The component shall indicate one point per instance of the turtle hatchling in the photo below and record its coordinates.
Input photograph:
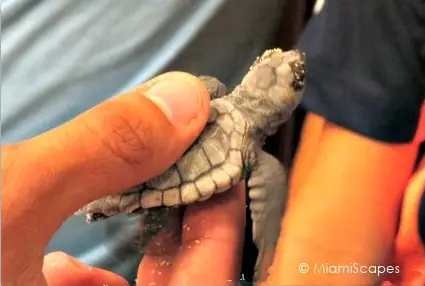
(228, 151)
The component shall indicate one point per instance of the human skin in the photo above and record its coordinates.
(125, 140)
(352, 187)
(119, 143)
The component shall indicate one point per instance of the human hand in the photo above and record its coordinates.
(205, 248)
(117, 144)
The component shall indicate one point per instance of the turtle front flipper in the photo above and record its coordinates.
(216, 88)
(268, 191)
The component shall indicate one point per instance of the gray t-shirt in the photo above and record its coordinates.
(60, 58)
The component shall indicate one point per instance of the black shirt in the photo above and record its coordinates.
(365, 67)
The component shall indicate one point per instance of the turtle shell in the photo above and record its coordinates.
(212, 165)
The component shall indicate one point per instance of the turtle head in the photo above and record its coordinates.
(272, 89)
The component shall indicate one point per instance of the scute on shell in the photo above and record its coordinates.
(212, 165)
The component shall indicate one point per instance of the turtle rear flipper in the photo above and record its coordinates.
(267, 188)
(154, 221)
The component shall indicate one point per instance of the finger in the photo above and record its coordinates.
(156, 265)
(208, 226)
(61, 269)
(212, 241)
(116, 144)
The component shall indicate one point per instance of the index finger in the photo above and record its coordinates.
(212, 240)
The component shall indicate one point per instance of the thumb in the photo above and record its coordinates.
(118, 143)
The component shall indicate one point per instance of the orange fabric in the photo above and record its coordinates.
(348, 181)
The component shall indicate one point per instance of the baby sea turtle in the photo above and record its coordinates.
(228, 151)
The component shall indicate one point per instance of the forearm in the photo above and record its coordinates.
(311, 135)
(347, 209)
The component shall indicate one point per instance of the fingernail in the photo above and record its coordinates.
(179, 97)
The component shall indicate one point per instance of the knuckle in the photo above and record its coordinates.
(130, 140)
